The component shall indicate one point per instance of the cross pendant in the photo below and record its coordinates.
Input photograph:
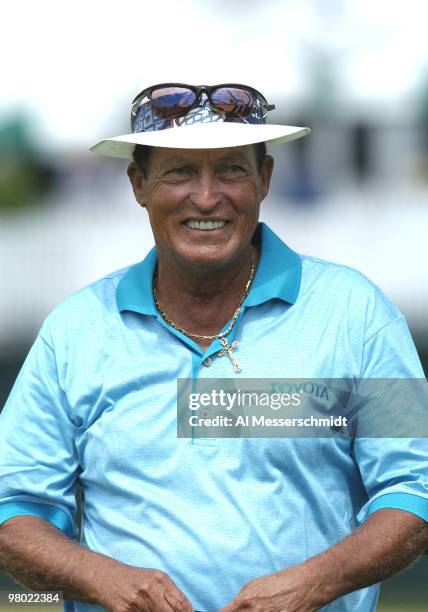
(228, 351)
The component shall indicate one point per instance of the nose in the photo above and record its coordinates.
(206, 193)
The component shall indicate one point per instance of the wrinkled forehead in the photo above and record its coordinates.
(243, 154)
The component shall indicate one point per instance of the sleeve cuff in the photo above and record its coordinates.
(57, 517)
(401, 501)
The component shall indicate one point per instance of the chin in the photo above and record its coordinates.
(207, 257)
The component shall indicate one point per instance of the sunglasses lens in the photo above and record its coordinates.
(233, 100)
(172, 102)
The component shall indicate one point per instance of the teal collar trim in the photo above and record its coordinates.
(279, 271)
(278, 275)
(134, 290)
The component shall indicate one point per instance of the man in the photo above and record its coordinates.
(172, 523)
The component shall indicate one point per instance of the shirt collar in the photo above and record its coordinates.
(279, 270)
(278, 276)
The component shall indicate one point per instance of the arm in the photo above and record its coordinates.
(38, 555)
(386, 543)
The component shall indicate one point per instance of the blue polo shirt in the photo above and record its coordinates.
(96, 401)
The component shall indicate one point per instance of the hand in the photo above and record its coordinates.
(285, 591)
(124, 588)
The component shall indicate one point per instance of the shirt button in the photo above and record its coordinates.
(207, 362)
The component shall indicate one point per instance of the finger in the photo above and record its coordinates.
(177, 601)
(237, 604)
(176, 598)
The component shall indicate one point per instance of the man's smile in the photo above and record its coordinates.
(206, 224)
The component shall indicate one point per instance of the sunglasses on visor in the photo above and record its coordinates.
(175, 100)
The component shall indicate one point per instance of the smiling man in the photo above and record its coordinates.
(204, 207)
(175, 523)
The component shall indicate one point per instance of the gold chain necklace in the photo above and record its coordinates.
(227, 347)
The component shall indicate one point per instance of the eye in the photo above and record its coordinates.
(180, 171)
(232, 169)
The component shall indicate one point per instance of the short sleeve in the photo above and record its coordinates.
(394, 470)
(38, 460)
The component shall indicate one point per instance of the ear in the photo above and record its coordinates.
(137, 180)
(266, 174)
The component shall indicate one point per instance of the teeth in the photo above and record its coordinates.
(205, 225)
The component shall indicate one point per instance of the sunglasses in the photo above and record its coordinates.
(174, 100)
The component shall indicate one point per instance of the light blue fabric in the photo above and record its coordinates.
(96, 400)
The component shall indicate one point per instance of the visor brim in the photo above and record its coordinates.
(216, 135)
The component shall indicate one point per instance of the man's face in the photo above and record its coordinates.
(203, 204)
